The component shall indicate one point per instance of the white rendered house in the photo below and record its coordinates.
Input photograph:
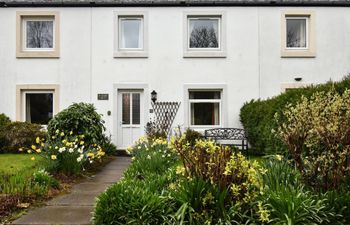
(212, 56)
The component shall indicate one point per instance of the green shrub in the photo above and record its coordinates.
(128, 203)
(316, 131)
(17, 135)
(80, 118)
(257, 116)
(4, 120)
(191, 136)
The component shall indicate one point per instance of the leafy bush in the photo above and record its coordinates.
(317, 134)
(128, 203)
(257, 116)
(17, 135)
(191, 136)
(220, 166)
(4, 120)
(81, 119)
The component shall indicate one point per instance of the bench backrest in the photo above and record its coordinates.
(226, 134)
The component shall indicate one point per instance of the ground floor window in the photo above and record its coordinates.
(38, 106)
(205, 107)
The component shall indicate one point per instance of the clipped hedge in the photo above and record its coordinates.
(257, 116)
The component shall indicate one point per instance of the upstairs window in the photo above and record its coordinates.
(131, 35)
(298, 34)
(37, 34)
(205, 108)
(204, 35)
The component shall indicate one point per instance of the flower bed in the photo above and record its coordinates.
(185, 182)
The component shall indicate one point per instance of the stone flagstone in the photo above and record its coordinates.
(76, 207)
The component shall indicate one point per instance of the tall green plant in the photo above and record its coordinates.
(80, 118)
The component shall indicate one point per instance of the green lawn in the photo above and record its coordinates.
(12, 163)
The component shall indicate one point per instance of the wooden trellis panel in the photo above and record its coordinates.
(165, 113)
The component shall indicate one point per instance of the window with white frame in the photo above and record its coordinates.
(37, 34)
(131, 35)
(38, 106)
(297, 32)
(205, 108)
(204, 33)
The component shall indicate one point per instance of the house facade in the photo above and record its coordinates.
(211, 56)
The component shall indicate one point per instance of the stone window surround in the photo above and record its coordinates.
(55, 53)
(310, 52)
(20, 89)
(130, 53)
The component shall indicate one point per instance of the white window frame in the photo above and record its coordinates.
(306, 18)
(120, 19)
(203, 18)
(219, 52)
(190, 101)
(120, 52)
(24, 32)
(24, 101)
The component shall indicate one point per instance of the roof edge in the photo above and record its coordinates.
(184, 3)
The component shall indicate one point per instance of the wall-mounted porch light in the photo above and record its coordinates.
(154, 96)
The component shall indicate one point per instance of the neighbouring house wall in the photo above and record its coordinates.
(253, 67)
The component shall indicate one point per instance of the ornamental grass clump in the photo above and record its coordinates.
(317, 133)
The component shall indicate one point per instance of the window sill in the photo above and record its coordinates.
(286, 53)
(204, 54)
(131, 54)
(38, 54)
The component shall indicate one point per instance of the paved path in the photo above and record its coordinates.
(75, 208)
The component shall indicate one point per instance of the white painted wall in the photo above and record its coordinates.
(253, 67)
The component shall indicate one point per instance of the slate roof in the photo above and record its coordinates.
(92, 3)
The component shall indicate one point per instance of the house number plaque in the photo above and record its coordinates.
(102, 96)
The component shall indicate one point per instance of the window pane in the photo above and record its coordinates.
(205, 114)
(296, 33)
(131, 34)
(126, 108)
(203, 33)
(135, 108)
(39, 34)
(205, 95)
(39, 107)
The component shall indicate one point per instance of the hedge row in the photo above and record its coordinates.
(257, 116)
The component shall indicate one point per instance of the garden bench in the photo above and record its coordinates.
(229, 136)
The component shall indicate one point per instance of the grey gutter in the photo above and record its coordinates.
(271, 3)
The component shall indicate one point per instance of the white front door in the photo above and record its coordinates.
(130, 117)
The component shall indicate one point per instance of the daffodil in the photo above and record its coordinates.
(53, 157)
